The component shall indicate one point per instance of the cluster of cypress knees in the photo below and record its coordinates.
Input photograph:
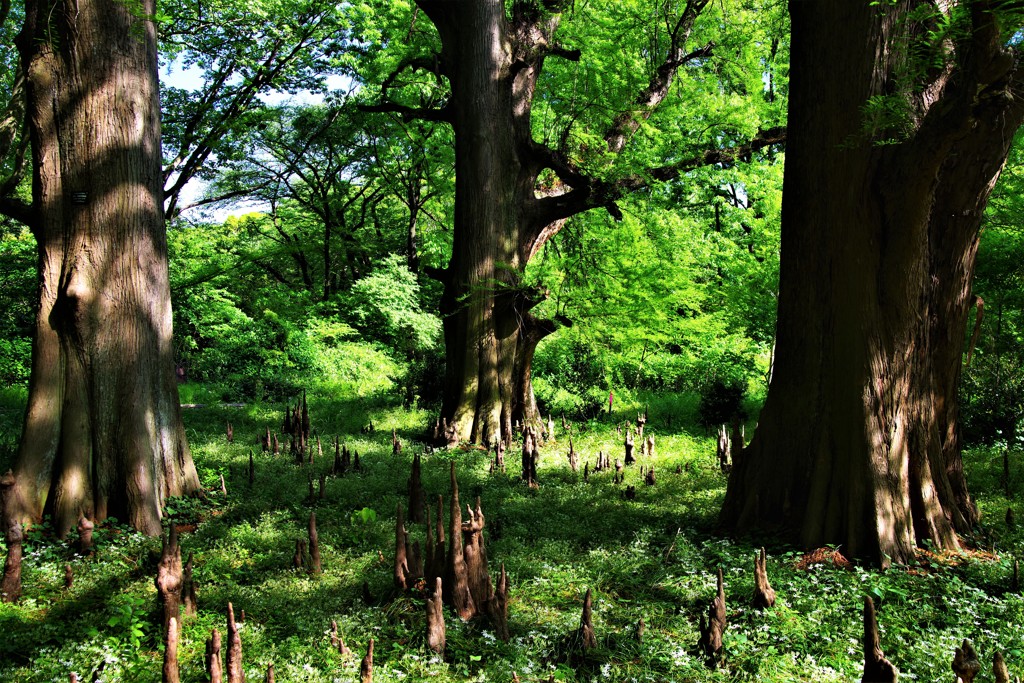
(451, 570)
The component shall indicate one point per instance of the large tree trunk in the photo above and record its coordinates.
(855, 445)
(103, 434)
(483, 304)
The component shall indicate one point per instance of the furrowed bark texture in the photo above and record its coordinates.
(103, 434)
(857, 443)
(492, 54)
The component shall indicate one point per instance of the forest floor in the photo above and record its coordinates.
(652, 558)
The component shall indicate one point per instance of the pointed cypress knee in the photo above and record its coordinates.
(497, 607)
(1015, 579)
(877, 669)
(586, 636)
(171, 653)
(712, 629)
(999, 670)
(401, 561)
(455, 572)
(314, 546)
(214, 668)
(189, 601)
(299, 560)
(234, 662)
(366, 666)
(252, 468)
(438, 563)
(965, 663)
(69, 577)
(435, 619)
(764, 594)
(231, 433)
(169, 578)
(474, 553)
(270, 673)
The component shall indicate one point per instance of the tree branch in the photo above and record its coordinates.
(18, 210)
(627, 122)
(443, 114)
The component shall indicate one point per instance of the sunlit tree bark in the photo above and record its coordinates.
(103, 434)
(890, 161)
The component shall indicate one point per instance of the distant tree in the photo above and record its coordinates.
(513, 192)
(103, 434)
(901, 114)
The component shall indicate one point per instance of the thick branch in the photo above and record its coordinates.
(17, 210)
(588, 193)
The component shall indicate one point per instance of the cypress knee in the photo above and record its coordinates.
(764, 594)
(877, 669)
(435, 619)
(234, 662)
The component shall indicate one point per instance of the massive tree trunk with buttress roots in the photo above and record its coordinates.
(492, 57)
(103, 434)
(889, 164)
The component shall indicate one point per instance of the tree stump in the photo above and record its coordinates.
(277, 446)
(641, 420)
(456, 574)
(629, 493)
(877, 669)
(401, 561)
(85, 529)
(189, 600)
(965, 663)
(69, 577)
(170, 673)
(712, 628)
(231, 433)
(396, 445)
(649, 478)
(417, 495)
(214, 667)
(169, 579)
(628, 443)
(314, 546)
(366, 666)
(235, 672)
(435, 619)
(764, 594)
(574, 463)
(650, 445)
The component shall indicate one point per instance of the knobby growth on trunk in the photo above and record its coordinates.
(889, 166)
(492, 55)
(102, 434)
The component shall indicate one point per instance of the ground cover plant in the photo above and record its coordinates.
(649, 559)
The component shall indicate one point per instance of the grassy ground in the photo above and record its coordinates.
(652, 558)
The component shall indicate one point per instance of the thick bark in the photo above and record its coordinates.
(103, 434)
(856, 445)
(492, 60)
